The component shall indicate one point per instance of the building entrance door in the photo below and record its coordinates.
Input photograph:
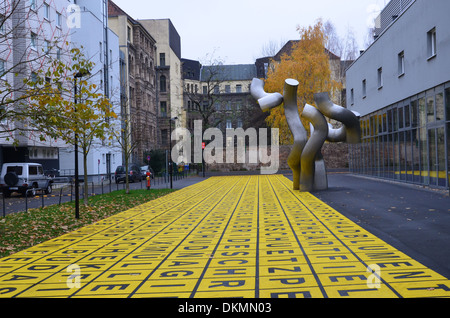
(438, 174)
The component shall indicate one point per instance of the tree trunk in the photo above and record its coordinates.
(127, 184)
(86, 185)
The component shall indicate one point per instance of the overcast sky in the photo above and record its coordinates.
(235, 31)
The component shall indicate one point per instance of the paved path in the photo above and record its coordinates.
(411, 218)
(241, 236)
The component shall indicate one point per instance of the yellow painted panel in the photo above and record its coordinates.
(359, 291)
(237, 236)
(305, 292)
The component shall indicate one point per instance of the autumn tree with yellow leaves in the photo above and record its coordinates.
(308, 63)
(64, 105)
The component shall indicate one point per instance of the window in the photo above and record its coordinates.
(440, 109)
(162, 83)
(205, 90)
(46, 11)
(2, 68)
(129, 34)
(407, 116)
(46, 47)
(380, 77)
(33, 4)
(431, 39)
(163, 109)
(447, 103)
(58, 19)
(162, 59)
(17, 170)
(32, 171)
(238, 104)
(430, 109)
(227, 89)
(2, 24)
(238, 88)
(34, 77)
(364, 88)
(164, 136)
(401, 63)
(352, 96)
(229, 124)
(33, 41)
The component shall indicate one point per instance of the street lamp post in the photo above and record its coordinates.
(170, 150)
(77, 182)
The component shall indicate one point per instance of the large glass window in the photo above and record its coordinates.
(447, 103)
(407, 141)
(402, 156)
(424, 155)
(396, 155)
(389, 120)
(414, 114)
(448, 153)
(441, 171)
(408, 156)
(407, 116)
(395, 119)
(384, 126)
(430, 109)
(440, 111)
(415, 155)
(422, 112)
(432, 155)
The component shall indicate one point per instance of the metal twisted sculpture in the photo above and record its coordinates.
(306, 160)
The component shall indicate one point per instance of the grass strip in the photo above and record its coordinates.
(19, 231)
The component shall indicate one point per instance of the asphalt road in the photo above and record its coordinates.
(414, 219)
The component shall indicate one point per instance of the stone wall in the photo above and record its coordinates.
(335, 155)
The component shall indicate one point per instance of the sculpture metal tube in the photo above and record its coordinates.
(312, 147)
(296, 127)
(345, 116)
(336, 135)
(265, 100)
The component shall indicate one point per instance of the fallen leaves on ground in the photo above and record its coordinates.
(20, 231)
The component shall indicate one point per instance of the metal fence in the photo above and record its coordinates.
(63, 190)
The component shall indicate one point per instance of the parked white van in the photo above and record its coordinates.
(20, 177)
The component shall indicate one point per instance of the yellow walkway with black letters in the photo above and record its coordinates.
(237, 236)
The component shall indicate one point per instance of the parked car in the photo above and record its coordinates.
(21, 177)
(144, 170)
(134, 173)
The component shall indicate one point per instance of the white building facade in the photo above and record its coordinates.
(401, 87)
(101, 46)
(33, 32)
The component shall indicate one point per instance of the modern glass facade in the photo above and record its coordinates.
(408, 141)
